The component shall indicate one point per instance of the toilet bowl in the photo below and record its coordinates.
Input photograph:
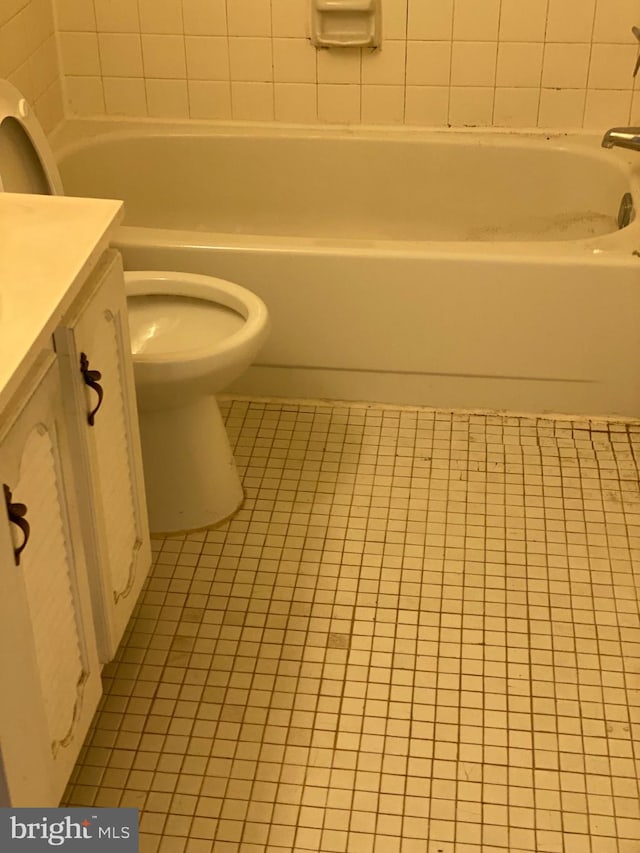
(191, 336)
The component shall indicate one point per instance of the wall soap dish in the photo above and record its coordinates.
(345, 23)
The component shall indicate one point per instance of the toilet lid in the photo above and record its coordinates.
(27, 163)
(163, 324)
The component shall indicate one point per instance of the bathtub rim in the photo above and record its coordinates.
(74, 132)
(77, 133)
(619, 247)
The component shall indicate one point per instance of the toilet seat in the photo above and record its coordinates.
(30, 139)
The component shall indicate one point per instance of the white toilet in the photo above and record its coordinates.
(191, 335)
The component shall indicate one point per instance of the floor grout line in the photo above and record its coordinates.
(482, 568)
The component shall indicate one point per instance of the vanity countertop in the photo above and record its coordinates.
(47, 246)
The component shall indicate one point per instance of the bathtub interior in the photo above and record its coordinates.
(453, 188)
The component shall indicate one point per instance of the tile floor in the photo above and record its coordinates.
(419, 634)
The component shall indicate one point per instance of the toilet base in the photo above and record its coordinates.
(191, 479)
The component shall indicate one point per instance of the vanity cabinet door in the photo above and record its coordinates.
(49, 668)
(95, 355)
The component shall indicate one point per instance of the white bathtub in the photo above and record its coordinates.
(446, 268)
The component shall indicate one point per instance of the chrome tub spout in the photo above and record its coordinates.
(622, 137)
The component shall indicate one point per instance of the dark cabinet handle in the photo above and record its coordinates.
(91, 378)
(17, 514)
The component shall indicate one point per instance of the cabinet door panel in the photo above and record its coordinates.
(99, 335)
(46, 564)
(57, 635)
(112, 462)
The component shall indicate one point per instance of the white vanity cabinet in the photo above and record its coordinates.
(48, 660)
(74, 541)
(94, 352)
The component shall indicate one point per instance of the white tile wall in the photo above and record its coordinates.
(509, 63)
(29, 57)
